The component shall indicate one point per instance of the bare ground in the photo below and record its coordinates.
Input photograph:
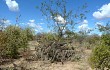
(45, 65)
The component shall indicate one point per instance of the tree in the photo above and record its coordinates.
(104, 29)
(59, 17)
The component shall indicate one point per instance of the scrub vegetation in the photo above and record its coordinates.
(20, 47)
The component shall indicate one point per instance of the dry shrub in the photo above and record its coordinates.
(55, 52)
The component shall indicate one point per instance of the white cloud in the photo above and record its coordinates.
(12, 5)
(60, 19)
(85, 22)
(103, 12)
(32, 21)
(35, 26)
(99, 23)
(83, 27)
(5, 21)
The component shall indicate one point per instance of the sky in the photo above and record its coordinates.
(30, 16)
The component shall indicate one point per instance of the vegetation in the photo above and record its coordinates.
(12, 39)
(61, 45)
(29, 33)
(57, 46)
(55, 52)
(53, 10)
(100, 57)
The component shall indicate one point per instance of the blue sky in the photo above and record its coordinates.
(10, 9)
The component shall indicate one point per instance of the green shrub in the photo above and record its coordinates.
(29, 33)
(106, 39)
(3, 40)
(100, 58)
(16, 38)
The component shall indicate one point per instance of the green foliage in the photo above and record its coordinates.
(13, 38)
(70, 34)
(92, 41)
(3, 40)
(100, 58)
(29, 33)
(16, 38)
(105, 29)
(106, 39)
(46, 37)
(49, 36)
